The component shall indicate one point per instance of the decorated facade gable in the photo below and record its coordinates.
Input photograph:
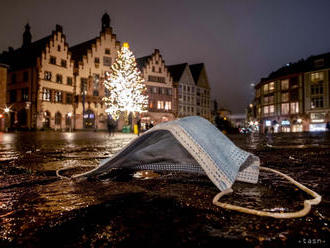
(56, 83)
(203, 100)
(159, 83)
(93, 60)
(186, 90)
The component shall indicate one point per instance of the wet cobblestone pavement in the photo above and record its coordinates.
(37, 209)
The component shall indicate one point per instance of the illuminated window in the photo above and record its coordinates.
(271, 109)
(294, 108)
(271, 87)
(168, 105)
(266, 110)
(48, 75)
(285, 108)
(58, 96)
(317, 76)
(160, 104)
(285, 84)
(46, 94)
(285, 97)
(265, 88)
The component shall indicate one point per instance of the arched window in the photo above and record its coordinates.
(58, 118)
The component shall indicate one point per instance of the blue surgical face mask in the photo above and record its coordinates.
(191, 144)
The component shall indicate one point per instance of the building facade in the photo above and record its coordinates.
(317, 95)
(40, 82)
(3, 93)
(294, 98)
(185, 88)
(93, 59)
(160, 88)
(203, 98)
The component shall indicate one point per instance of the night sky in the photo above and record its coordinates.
(240, 41)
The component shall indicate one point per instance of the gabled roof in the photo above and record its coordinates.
(80, 50)
(176, 71)
(27, 56)
(141, 62)
(196, 70)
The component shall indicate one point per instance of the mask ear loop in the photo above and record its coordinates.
(297, 214)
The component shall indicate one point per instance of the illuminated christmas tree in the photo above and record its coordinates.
(127, 92)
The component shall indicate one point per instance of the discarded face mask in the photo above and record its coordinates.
(193, 144)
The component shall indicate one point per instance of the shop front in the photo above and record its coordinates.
(318, 122)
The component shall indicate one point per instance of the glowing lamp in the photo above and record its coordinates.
(7, 109)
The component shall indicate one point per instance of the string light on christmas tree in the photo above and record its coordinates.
(127, 91)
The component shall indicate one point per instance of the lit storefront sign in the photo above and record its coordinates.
(268, 123)
(320, 127)
(285, 123)
(317, 117)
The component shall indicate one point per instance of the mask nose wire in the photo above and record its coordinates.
(307, 203)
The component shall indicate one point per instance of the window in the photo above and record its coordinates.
(266, 100)
(153, 69)
(164, 91)
(155, 90)
(285, 108)
(59, 78)
(258, 92)
(83, 85)
(317, 102)
(52, 60)
(68, 98)
(95, 93)
(184, 88)
(294, 108)
(317, 76)
(63, 63)
(13, 78)
(285, 97)
(160, 104)
(25, 76)
(271, 87)
(168, 105)
(59, 48)
(96, 60)
(12, 96)
(266, 110)
(169, 92)
(25, 94)
(46, 94)
(69, 80)
(48, 75)
(160, 70)
(106, 61)
(58, 96)
(156, 79)
(285, 84)
(271, 109)
(192, 89)
(107, 51)
(317, 88)
(265, 88)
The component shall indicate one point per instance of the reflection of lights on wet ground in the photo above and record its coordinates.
(69, 136)
(6, 138)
